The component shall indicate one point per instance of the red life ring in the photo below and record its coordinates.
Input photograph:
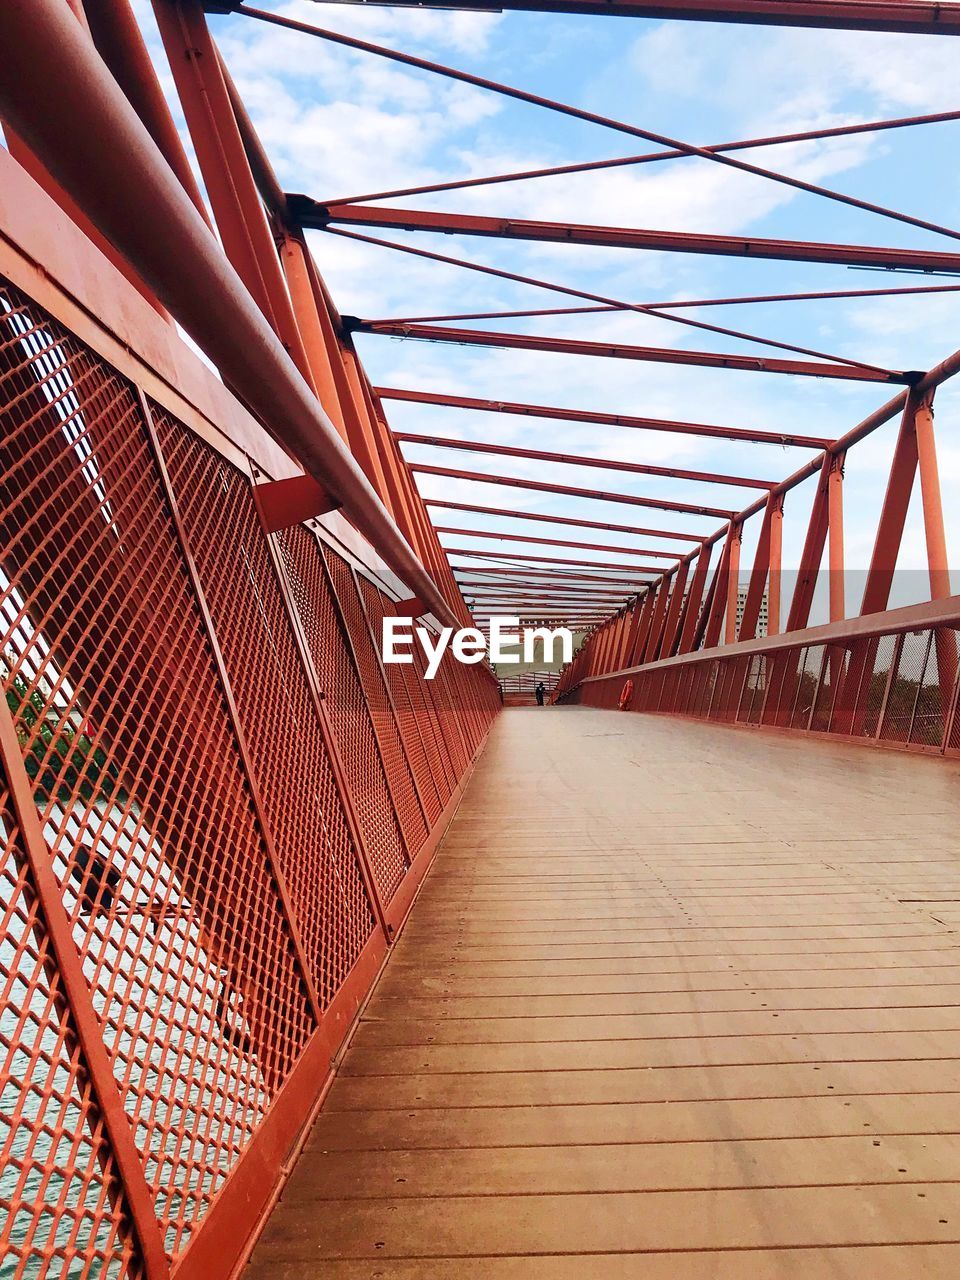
(625, 695)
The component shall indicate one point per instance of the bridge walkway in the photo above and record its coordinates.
(677, 1001)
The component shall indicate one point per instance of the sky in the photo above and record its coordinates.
(341, 123)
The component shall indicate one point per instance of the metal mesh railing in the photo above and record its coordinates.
(897, 685)
(222, 810)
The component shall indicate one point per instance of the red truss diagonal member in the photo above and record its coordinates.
(536, 282)
(590, 117)
(679, 304)
(652, 157)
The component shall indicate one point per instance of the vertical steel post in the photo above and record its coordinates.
(672, 624)
(893, 514)
(656, 621)
(733, 583)
(812, 553)
(758, 575)
(776, 568)
(937, 563)
(719, 592)
(838, 606)
(694, 598)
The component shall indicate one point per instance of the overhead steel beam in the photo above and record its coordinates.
(915, 17)
(77, 126)
(624, 351)
(313, 214)
(640, 308)
(551, 588)
(549, 542)
(559, 560)
(670, 534)
(570, 491)
(581, 460)
(592, 117)
(739, 434)
(467, 576)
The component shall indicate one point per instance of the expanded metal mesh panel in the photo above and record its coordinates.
(875, 658)
(409, 698)
(832, 675)
(464, 705)
(448, 709)
(346, 707)
(900, 687)
(905, 687)
(438, 748)
(62, 1207)
(410, 814)
(803, 686)
(720, 690)
(754, 688)
(287, 752)
(126, 737)
(936, 689)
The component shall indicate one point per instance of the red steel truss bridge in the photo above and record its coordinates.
(312, 966)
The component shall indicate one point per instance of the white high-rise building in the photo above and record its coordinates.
(763, 618)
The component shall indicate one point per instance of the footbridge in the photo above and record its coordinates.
(318, 964)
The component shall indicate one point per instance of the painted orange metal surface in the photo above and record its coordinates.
(217, 801)
(208, 813)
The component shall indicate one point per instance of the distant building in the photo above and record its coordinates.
(762, 620)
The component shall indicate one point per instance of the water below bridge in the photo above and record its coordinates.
(676, 1001)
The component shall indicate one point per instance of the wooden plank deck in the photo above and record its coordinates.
(676, 1002)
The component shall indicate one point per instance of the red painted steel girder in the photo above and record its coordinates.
(604, 419)
(639, 308)
(537, 577)
(625, 351)
(923, 17)
(545, 602)
(573, 606)
(465, 224)
(570, 491)
(549, 542)
(581, 563)
(550, 584)
(548, 590)
(671, 534)
(607, 122)
(580, 460)
(530, 617)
